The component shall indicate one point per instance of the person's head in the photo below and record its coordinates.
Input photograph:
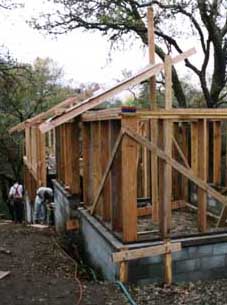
(48, 197)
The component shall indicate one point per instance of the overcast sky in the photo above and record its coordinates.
(83, 55)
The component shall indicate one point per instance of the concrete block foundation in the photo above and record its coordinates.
(201, 258)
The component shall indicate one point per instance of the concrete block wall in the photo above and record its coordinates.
(98, 251)
(213, 205)
(191, 263)
(66, 206)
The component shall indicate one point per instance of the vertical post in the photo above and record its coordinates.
(85, 147)
(165, 204)
(41, 157)
(217, 152)
(202, 173)
(90, 176)
(72, 168)
(58, 150)
(194, 147)
(62, 154)
(123, 272)
(153, 123)
(97, 164)
(129, 181)
(116, 191)
(176, 175)
(105, 156)
(185, 151)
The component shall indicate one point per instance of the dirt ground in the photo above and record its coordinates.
(40, 273)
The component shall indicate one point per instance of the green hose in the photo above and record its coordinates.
(126, 293)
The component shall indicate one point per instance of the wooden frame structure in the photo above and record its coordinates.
(152, 153)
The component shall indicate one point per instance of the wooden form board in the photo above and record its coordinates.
(96, 100)
(128, 255)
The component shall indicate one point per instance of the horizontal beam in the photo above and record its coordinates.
(176, 114)
(99, 98)
(102, 115)
(128, 255)
(185, 114)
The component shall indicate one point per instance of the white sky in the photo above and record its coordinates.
(83, 56)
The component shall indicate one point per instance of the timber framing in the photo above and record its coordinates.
(153, 155)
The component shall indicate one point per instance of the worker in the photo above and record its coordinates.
(44, 196)
(16, 202)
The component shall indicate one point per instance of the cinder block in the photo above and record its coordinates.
(150, 260)
(180, 255)
(220, 248)
(212, 262)
(187, 265)
(206, 250)
(137, 271)
(192, 252)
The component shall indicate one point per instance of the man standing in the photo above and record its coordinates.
(16, 198)
(44, 195)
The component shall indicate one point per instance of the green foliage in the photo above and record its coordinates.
(25, 90)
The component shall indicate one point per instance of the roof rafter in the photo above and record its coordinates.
(98, 99)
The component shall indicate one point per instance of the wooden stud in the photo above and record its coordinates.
(105, 155)
(184, 185)
(153, 123)
(97, 171)
(217, 152)
(72, 156)
(194, 147)
(90, 175)
(116, 191)
(57, 155)
(168, 273)
(123, 272)
(109, 165)
(85, 148)
(129, 181)
(165, 204)
(202, 173)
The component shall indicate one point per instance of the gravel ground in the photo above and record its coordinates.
(197, 293)
(184, 222)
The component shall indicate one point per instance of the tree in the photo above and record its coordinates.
(205, 19)
(25, 90)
